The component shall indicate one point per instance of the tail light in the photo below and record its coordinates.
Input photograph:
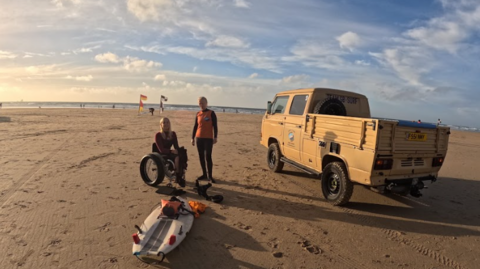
(136, 239)
(437, 161)
(172, 239)
(383, 164)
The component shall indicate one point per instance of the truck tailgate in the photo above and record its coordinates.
(411, 137)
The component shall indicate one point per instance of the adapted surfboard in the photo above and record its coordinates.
(159, 234)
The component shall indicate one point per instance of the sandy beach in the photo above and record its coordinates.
(71, 193)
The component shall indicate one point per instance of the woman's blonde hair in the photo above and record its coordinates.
(170, 132)
(202, 98)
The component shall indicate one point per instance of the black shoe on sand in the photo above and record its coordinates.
(202, 177)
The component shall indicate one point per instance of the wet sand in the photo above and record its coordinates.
(71, 193)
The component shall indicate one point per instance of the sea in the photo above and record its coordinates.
(134, 106)
(242, 110)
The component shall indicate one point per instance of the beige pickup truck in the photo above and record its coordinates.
(330, 133)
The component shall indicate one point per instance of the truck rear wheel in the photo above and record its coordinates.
(330, 106)
(336, 186)
(273, 158)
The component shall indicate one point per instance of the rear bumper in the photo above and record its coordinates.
(401, 180)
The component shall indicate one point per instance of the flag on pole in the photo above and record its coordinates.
(140, 106)
(162, 98)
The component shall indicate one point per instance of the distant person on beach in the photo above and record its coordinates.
(419, 121)
(205, 133)
(113, 106)
(151, 110)
(439, 122)
(0, 105)
(164, 141)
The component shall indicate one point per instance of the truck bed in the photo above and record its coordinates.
(380, 135)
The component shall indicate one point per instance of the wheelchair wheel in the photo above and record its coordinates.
(152, 169)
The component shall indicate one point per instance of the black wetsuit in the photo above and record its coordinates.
(204, 131)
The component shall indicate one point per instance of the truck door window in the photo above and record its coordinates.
(298, 104)
(279, 105)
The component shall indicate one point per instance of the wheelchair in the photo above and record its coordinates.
(155, 167)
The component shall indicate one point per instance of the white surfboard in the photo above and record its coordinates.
(159, 234)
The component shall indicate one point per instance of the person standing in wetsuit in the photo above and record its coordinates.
(204, 134)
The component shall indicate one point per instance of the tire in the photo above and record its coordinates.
(336, 186)
(273, 158)
(152, 169)
(330, 106)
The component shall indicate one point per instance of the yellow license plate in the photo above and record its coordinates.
(416, 137)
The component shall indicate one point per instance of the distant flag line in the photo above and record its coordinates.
(163, 98)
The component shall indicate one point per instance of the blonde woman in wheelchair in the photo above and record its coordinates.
(164, 140)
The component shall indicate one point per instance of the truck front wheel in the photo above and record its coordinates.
(336, 186)
(273, 158)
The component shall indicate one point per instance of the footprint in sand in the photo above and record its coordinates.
(104, 228)
(55, 242)
(243, 226)
(306, 245)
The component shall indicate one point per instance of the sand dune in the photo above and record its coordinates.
(71, 193)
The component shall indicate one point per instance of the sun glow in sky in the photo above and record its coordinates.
(412, 59)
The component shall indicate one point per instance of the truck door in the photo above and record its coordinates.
(274, 119)
(293, 130)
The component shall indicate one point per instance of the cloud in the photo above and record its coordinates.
(409, 63)
(228, 42)
(447, 32)
(362, 62)
(7, 55)
(81, 78)
(65, 3)
(149, 9)
(440, 34)
(132, 64)
(160, 77)
(107, 58)
(251, 57)
(138, 65)
(242, 4)
(467, 111)
(314, 54)
(254, 75)
(40, 69)
(86, 50)
(295, 79)
(348, 40)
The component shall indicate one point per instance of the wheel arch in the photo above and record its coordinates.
(272, 140)
(335, 158)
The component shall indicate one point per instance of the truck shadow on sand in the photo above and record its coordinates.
(448, 201)
(434, 219)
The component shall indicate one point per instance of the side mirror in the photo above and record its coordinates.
(269, 107)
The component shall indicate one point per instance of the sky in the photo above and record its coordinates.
(412, 59)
